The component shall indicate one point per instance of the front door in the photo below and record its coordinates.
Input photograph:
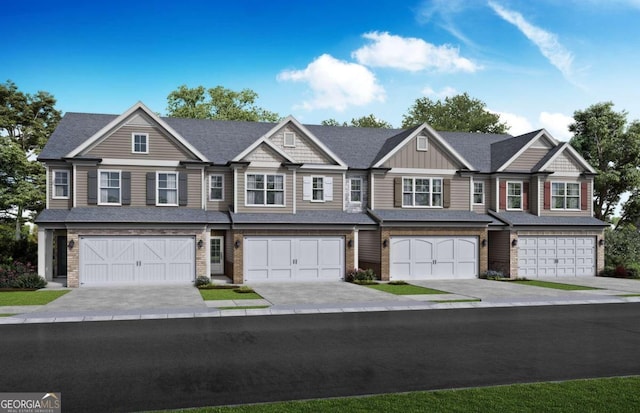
(61, 256)
(217, 255)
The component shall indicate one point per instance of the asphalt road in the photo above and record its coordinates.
(146, 365)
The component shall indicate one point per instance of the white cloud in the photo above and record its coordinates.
(336, 84)
(557, 125)
(547, 42)
(517, 124)
(411, 54)
(446, 91)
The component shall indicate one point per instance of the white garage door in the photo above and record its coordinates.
(421, 258)
(556, 256)
(293, 259)
(136, 260)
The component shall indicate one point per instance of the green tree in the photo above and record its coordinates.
(26, 122)
(217, 103)
(369, 121)
(457, 113)
(603, 137)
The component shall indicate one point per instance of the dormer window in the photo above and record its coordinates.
(422, 143)
(290, 139)
(140, 143)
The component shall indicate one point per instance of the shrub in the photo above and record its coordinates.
(398, 282)
(202, 281)
(620, 272)
(366, 282)
(217, 287)
(492, 275)
(244, 290)
(609, 271)
(622, 246)
(358, 274)
(633, 270)
(20, 275)
(30, 281)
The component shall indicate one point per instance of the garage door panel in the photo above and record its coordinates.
(445, 250)
(568, 256)
(331, 253)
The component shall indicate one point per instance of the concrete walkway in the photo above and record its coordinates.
(157, 302)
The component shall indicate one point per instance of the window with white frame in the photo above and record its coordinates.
(565, 195)
(61, 184)
(216, 188)
(422, 143)
(167, 192)
(109, 187)
(478, 193)
(422, 192)
(514, 195)
(264, 189)
(317, 188)
(355, 191)
(140, 143)
(290, 139)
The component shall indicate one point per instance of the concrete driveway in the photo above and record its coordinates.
(621, 285)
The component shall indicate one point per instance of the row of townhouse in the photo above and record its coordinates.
(137, 198)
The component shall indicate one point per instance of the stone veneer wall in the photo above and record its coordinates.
(73, 255)
(444, 232)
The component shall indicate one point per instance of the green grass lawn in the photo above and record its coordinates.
(404, 289)
(29, 297)
(227, 294)
(557, 286)
(6, 315)
(618, 395)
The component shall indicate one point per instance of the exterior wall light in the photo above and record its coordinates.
(385, 243)
(350, 243)
(71, 244)
(200, 244)
(237, 244)
(514, 243)
(601, 242)
(484, 243)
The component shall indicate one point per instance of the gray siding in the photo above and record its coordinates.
(460, 196)
(554, 212)
(305, 151)
(409, 157)
(564, 163)
(338, 190)
(357, 207)
(527, 160)
(288, 191)
(227, 199)
(384, 190)
(482, 208)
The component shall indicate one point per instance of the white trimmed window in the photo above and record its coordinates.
(60, 184)
(140, 142)
(422, 192)
(317, 188)
(216, 187)
(167, 191)
(478, 193)
(514, 195)
(109, 187)
(264, 189)
(422, 143)
(290, 139)
(565, 195)
(355, 190)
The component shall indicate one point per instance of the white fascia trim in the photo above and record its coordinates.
(295, 193)
(75, 188)
(204, 191)
(265, 164)
(235, 190)
(497, 189)
(323, 167)
(372, 192)
(138, 106)
(265, 139)
(471, 193)
(49, 183)
(574, 153)
(422, 171)
(435, 135)
(540, 134)
(141, 162)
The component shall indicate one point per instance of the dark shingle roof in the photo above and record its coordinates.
(474, 147)
(502, 151)
(526, 219)
(548, 156)
(319, 217)
(429, 215)
(132, 215)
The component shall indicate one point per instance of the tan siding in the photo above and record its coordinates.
(227, 194)
(523, 180)
(356, 207)
(161, 146)
(336, 204)
(384, 190)
(527, 160)
(288, 192)
(194, 183)
(60, 203)
(409, 157)
(263, 153)
(499, 251)
(305, 151)
(460, 198)
(561, 213)
(563, 163)
(482, 209)
(81, 185)
(369, 246)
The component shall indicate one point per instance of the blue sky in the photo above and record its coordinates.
(534, 62)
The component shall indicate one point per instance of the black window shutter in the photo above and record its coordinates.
(126, 188)
(92, 187)
(151, 188)
(183, 189)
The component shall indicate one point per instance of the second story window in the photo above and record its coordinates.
(61, 184)
(167, 188)
(565, 195)
(216, 188)
(318, 189)
(514, 195)
(478, 193)
(355, 193)
(422, 192)
(264, 189)
(109, 187)
(140, 143)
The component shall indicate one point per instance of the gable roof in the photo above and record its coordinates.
(475, 147)
(505, 152)
(553, 155)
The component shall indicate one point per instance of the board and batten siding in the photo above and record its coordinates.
(304, 150)
(528, 159)
(335, 204)
(433, 158)
(59, 203)
(270, 209)
(227, 193)
(139, 184)
(161, 147)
